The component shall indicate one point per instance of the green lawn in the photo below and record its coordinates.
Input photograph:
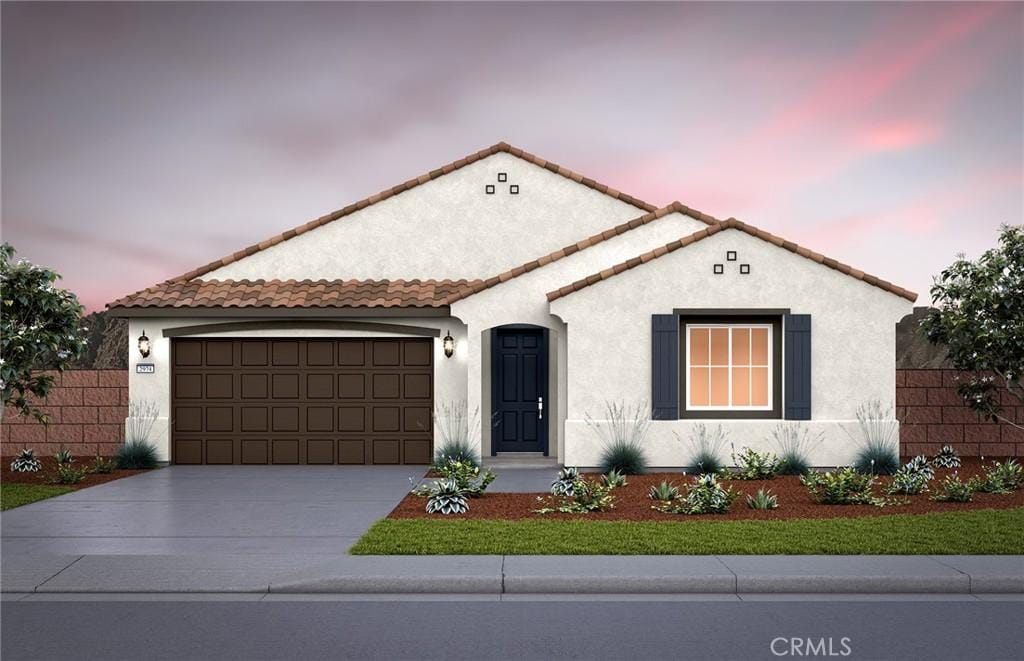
(16, 495)
(984, 532)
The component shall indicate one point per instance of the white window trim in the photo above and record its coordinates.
(770, 366)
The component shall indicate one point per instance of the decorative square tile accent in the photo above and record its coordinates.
(514, 189)
(489, 189)
(719, 269)
(744, 269)
(730, 256)
(502, 176)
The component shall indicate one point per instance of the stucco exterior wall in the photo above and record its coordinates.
(609, 323)
(449, 373)
(523, 300)
(445, 228)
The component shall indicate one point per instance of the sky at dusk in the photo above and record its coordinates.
(142, 140)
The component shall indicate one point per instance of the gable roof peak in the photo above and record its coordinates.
(503, 147)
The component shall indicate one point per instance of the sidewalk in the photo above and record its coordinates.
(492, 575)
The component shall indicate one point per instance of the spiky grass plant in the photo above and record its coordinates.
(879, 446)
(764, 499)
(795, 443)
(446, 498)
(142, 416)
(623, 432)
(706, 447)
(563, 484)
(136, 454)
(665, 491)
(26, 462)
(458, 434)
(946, 458)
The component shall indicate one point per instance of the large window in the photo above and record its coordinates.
(729, 367)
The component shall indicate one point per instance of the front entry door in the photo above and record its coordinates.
(519, 390)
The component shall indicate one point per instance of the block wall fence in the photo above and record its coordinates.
(87, 409)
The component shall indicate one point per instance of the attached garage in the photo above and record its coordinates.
(301, 401)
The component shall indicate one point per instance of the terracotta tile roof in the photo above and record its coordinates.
(481, 285)
(295, 294)
(412, 183)
(731, 223)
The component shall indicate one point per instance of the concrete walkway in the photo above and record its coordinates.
(229, 510)
(490, 575)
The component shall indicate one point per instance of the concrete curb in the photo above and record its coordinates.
(497, 575)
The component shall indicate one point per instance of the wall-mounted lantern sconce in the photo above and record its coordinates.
(144, 345)
(449, 345)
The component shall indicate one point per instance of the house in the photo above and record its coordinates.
(530, 292)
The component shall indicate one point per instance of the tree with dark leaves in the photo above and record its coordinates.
(40, 329)
(979, 316)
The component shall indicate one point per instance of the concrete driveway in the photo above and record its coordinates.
(310, 510)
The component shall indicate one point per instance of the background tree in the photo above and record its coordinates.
(40, 329)
(979, 315)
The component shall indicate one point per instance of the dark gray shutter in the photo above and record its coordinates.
(665, 366)
(797, 370)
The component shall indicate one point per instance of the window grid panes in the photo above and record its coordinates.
(729, 367)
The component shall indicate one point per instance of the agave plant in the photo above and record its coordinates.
(946, 458)
(663, 491)
(446, 498)
(613, 479)
(26, 462)
(764, 499)
(63, 457)
(564, 483)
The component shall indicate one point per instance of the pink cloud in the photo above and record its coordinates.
(899, 135)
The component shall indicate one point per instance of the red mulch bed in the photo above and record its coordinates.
(632, 503)
(7, 476)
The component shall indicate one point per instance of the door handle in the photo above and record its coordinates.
(540, 408)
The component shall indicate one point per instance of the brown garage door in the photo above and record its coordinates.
(287, 401)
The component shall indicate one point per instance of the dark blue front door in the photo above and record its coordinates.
(519, 390)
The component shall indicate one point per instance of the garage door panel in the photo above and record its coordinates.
(254, 418)
(416, 451)
(352, 451)
(387, 386)
(188, 418)
(188, 353)
(220, 386)
(320, 418)
(254, 451)
(219, 354)
(220, 451)
(320, 386)
(220, 418)
(284, 418)
(352, 354)
(299, 401)
(320, 451)
(351, 418)
(284, 386)
(351, 386)
(254, 386)
(387, 451)
(188, 386)
(320, 353)
(284, 353)
(255, 353)
(285, 451)
(188, 451)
